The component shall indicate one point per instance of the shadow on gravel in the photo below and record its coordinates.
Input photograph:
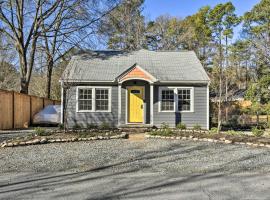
(124, 178)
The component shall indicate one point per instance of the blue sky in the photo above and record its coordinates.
(183, 8)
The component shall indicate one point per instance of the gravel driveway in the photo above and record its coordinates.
(123, 169)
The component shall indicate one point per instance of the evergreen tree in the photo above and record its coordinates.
(124, 27)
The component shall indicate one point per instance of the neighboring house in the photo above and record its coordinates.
(140, 88)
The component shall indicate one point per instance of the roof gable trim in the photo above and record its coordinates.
(136, 72)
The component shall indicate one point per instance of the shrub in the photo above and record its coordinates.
(61, 126)
(104, 126)
(163, 131)
(76, 126)
(40, 131)
(181, 126)
(92, 126)
(257, 132)
(164, 126)
(232, 132)
(213, 130)
(197, 127)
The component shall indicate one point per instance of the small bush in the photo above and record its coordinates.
(164, 126)
(197, 127)
(92, 126)
(213, 130)
(77, 126)
(257, 132)
(163, 131)
(40, 131)
(104, 126)
(181, 126)
(61, 126)
(232, 132)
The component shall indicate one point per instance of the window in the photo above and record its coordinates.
(176, 99)
(93, 99)
(167, 100)
(184, 99)
(102, 99)
(135, 91)
(85, 99)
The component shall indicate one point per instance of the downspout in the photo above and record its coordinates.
(207, 108)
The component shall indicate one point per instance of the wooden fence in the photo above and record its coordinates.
(17, 110)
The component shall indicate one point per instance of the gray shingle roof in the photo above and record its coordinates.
(108, 65)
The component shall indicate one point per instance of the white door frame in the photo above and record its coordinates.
(144, 110)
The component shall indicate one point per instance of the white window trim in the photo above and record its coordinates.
(175, 89)
(159, 98)
(93, 99)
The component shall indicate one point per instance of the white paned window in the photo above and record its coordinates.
(102, 99)
(93, 99)
(167, 100)
(85, 98)
(184, 99)
(176, 99)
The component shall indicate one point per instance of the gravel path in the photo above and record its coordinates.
(117, 166)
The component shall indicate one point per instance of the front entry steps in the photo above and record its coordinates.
(135, 128)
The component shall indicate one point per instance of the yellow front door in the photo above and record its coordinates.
(135, 104)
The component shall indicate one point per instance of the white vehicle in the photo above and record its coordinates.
(51, 114)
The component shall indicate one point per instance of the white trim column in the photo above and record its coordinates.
(62, 102)
(119, 103)
(151, 104)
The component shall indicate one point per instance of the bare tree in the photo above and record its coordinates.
(76, 21)
(21, 21)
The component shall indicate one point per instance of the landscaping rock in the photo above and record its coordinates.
(43, 140)
(4, 145)
(228, 141)
(22, 143)
(10, 144)
(36, 141)
(28, 142)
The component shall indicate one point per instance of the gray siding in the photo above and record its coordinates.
(199, 116)
(85, 118)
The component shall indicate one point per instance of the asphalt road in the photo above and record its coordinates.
(122, 169)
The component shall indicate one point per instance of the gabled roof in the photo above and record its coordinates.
(136, 72)
(107, 66)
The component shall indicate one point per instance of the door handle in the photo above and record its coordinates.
(142, 106)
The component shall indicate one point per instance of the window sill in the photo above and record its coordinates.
(92, 111)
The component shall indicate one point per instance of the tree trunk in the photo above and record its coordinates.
(220, 84)
(24, 86)
(49, 78)
(219, 103)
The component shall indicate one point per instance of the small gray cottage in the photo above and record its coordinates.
(139, 88)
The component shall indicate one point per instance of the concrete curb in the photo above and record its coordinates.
(60, 140)
(221, 140)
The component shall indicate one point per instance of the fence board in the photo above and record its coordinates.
(56, 102)
(21, 110)
(48, 102)
(36, 105)
(6, 110)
